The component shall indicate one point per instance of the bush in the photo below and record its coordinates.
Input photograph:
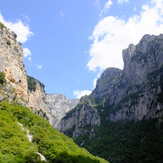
(31, 83)
(2, 78)
(2, 25)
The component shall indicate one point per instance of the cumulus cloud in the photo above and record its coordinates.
(80, 93)
(27, 53)
(23, 31)
(113, 34)
(122, 1)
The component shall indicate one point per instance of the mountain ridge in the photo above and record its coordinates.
(122, 119)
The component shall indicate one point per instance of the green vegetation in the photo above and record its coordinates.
(2, 78)
(2, 25)
(127, 142)
(56, 147)
(31, 83)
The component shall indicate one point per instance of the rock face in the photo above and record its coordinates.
(11, 64)
(36, 93)
(50, 106)
(58, 105)
(24, 89)
(134, 93)
(80, 121)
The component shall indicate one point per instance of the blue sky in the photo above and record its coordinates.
(69, 43)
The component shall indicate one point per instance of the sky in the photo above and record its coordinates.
(69, 43)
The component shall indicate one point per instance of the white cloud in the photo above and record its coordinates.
(23, 31)
(27, 53)
(39, 67)
(107, 5)
(80, 93)
(112, 34)
(122, 1)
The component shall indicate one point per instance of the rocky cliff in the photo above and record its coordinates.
(134, 93)
(58, 105)
(16, 85)
(11, 64)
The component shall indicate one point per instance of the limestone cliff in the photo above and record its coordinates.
(36, 93)
(16, 86)
(58, 105)
(134, 93)
(11, 64)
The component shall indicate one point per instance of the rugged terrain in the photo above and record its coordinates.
(27, 138)
(24, 136)
(125, 109)
(122, 119)
(24, 89)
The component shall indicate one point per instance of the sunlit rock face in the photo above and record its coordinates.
(134, 93)
(24, 89)
(58, 105)
(11, 64)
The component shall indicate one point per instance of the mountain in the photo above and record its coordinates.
(11, 64)
(58, 106)
(25, 134)
(122, 118)
(24, 89)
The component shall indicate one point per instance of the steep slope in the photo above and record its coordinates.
(52, 107)
(11, 64)
(16, 85)
(122, 119)
(134, 93)
(46, 142)
(58, 105)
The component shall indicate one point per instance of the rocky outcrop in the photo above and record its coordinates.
(36, 93)
(80, 121)
(134, 93)
(11, 64)
(50, 106)
(58, 105)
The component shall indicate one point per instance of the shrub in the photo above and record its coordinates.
(31, 83)
(2, 25)
(2, 78)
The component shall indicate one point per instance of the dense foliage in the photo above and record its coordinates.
(2, 78)
(127, 142)
(31, 83)
(16, 148)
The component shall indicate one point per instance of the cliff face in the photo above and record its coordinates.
(11, 64)
(24, 89)
(134, 93)
(58, 105)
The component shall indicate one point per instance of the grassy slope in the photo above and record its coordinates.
(56, 147)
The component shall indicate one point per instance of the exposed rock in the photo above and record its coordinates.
(50, 106)
(24, 89)
(36, 94)
(80, 121)
(58, 106)
(134, 93)
(11, 63)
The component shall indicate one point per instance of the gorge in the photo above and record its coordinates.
(121, 120)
